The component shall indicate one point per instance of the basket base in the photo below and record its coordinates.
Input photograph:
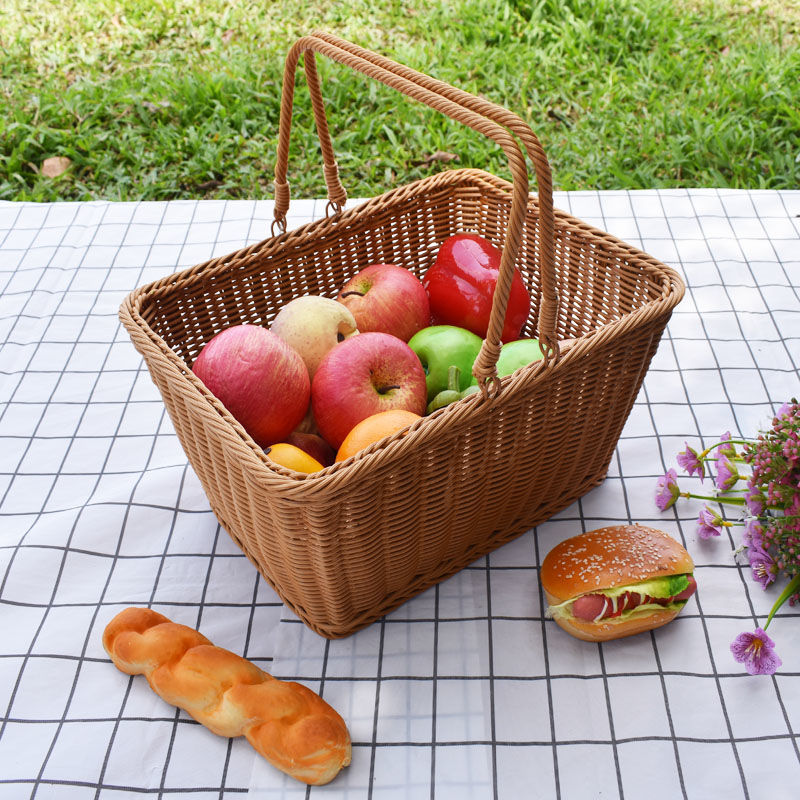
(342, 628)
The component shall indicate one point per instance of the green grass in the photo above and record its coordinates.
(159, 99)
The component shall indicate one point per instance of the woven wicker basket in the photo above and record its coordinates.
(346, 545)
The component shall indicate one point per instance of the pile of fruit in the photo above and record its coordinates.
(329, 377)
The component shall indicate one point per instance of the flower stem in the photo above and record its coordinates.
(735, 501)
(722, 444)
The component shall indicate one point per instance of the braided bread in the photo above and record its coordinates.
(287, 723)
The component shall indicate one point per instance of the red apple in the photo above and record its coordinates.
(314, 445)
(260, 379)
(388, 299)
(361, 376)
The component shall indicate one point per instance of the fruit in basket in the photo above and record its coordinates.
(312, 325)
(363, 375)
(516, 354)
(259, 379)
(374, 428)
(388, 299)
(453, 391)
(314, 445)
(461, 284)
(291, 457)
(440, 347)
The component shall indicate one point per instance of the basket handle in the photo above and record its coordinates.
(474, 112)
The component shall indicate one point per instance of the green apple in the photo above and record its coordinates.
(440, 347)
(516, 354)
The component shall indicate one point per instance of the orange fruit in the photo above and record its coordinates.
(373, 428)
(291, 457)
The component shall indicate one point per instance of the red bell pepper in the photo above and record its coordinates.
(461, 284)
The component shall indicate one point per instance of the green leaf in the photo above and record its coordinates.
(791, 588)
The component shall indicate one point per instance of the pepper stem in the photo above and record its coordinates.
(453, 378)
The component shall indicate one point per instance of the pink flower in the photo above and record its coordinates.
(753, 499)
(757, 652)
(753, 535)
(690, 462)
(793, 513)
(725, 449)
(708, 524)
(762, 565)
(667, 491)
(791, 448)
(727, 474)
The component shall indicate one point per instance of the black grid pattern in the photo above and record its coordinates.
(464, 692)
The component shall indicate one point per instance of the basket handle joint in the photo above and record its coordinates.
(332, 206)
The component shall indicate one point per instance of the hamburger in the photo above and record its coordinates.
(616, 581)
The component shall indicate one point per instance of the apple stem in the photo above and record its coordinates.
(384, 389)
(350, 294)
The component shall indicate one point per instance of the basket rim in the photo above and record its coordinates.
(145, 338)
(390, 197)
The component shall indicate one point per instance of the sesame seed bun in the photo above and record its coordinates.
(606, 558)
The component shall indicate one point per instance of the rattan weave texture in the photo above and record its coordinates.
(344, 546)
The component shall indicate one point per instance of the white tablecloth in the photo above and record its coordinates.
(464, 692)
